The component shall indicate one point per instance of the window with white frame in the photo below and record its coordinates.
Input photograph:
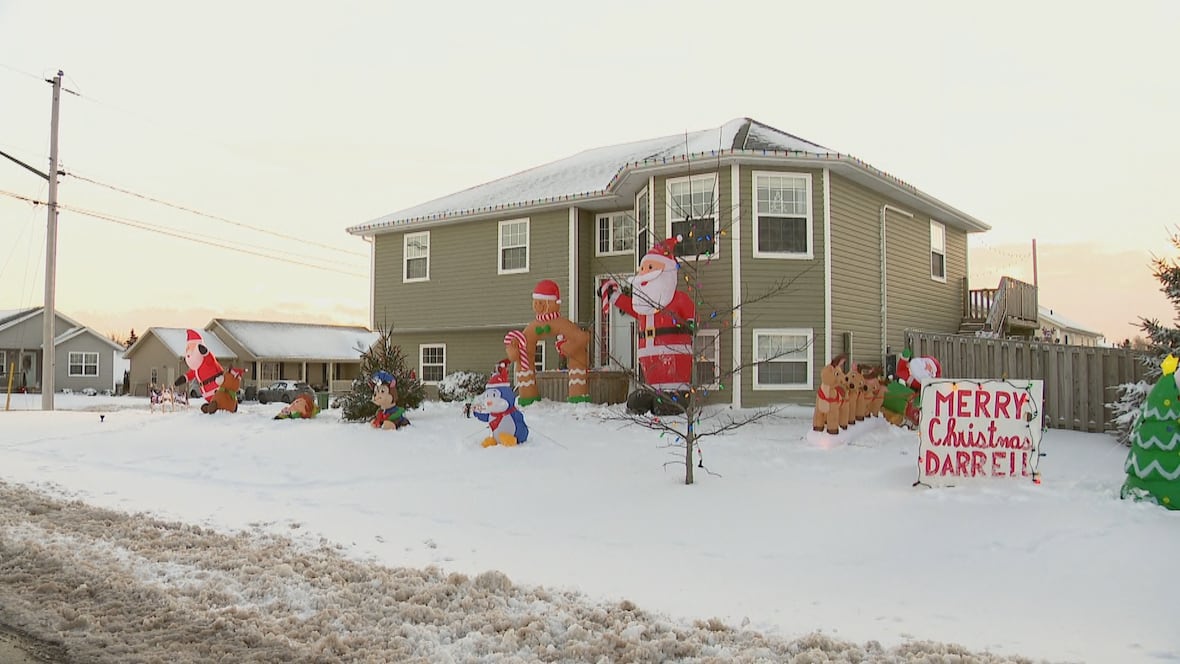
(83, 364)
(707, 358)
(782, 215)
(692, 214)
(937, 251)
(432, 362)
(616, 233)
(782, 359)
(514, 246)
(539, 357)
(416, 249)
(155, 376)
(643, 219)
(3, 363)
(269, 371)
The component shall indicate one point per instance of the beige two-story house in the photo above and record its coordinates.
(799, 253)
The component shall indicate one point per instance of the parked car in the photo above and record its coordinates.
(283, 390)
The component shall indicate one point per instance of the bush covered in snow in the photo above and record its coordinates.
(462, 385)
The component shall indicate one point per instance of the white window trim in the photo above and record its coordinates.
(806, 332)
(500, 246)
(406, 279)
(539, 364)
(714, 349)
(421, 362)
(933, 276)
(609, 218)
(670, 217)
(3, 363)
(784, 255)
(70, 363)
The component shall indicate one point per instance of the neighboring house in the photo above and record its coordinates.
(1058, 329)
(157, 357)
(870, 256)
(83, 358)
(326, 356)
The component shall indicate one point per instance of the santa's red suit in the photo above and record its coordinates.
(665, 342)
(202, 365)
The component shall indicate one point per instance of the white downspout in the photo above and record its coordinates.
(572, 295)
(737, 381)
(827, 267)
(885, 281)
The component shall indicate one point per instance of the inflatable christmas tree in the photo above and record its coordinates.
(1153, 466)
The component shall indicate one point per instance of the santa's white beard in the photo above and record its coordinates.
(652, 291)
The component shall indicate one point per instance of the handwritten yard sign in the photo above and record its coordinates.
(974, 429)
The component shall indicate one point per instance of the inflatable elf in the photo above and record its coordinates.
(1153, 465)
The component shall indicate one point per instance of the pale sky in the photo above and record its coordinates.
(1048, 120)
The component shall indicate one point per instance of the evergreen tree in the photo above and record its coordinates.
(131, 339)
(384, 355)
(1161, 342)
(1153, 466)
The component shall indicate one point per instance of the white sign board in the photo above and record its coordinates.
(979, 428)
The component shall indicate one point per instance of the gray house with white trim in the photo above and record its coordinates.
(83, 358)
(867, 255)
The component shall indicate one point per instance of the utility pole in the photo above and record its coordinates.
(49, 314)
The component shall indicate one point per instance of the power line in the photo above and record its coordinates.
(212, 216)
(180, 235)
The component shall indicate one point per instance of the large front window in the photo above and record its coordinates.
(269, 372)
(417, 256)
(514, 246)
(937, 251)
(432, 362)
(782, 359)
(692, 214)
(83, 364)
(616, 234)
(782, 215)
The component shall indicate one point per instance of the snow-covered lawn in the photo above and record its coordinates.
(781, 537)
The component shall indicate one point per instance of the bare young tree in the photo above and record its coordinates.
(686, 416)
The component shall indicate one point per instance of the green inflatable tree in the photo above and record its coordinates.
(1153, 466)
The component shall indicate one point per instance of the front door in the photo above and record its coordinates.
(28, 369)
(616, 334)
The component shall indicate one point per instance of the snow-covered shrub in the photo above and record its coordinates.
(1124, 413)
(462, 385)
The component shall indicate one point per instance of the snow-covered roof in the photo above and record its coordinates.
(594, 174)
(298, 341)
(77, 331)
(1047, 314)
(13, 317)
(6, 314)
(176, 338)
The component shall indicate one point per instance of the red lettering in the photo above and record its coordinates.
(941, 398)
(962, 458)
(1021, 400)
(977, 459)
(931, 462)
(982, 397)
(1002, 401)
(948, 466)
(998, 463)
(961, 403)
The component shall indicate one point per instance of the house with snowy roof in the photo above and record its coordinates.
(867, 255)
(1058, 329)
(83, 358)
(327, 357)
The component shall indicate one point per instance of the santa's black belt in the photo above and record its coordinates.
(653, 332)
(212, 378)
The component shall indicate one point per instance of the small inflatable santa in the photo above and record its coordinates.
(202, 366)
(666, 319)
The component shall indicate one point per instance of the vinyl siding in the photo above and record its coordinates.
(84, 343)
(464, 288)
(914, 300)
(801, 305)
(149, 353)
(477, 351)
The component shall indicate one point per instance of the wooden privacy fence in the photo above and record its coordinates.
(1079, 380)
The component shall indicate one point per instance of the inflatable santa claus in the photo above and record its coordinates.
(202, 366)
(666, 318)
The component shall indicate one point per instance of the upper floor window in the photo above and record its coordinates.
(707, 358)
(83, 364)
(692, 214)
(782, 215)
(782, 359)
(616, 233)
(514, 246)
(416, 249)
(937, 251)
(432, 362)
